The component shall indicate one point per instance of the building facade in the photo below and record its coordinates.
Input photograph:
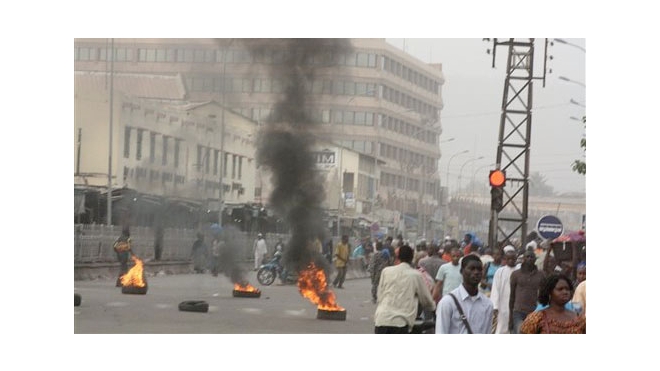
(371, 98)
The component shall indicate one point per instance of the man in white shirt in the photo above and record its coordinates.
(400, 291)
(260, 251)
(476, 307)
(501, 291)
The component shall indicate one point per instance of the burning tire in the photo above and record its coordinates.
(266, 276)
(134, 290)
(194, 306)
(334, 315)
(77, 299)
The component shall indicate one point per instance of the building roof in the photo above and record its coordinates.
(133, 84)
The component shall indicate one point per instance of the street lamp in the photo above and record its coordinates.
(449, 163)
(447, 140)
(573, 81)
(460, 174)
(562, 41)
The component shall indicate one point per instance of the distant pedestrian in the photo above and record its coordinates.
(379, 261)
(432, 263)
(199, 254)
(341, 261)
(158, 242)
(400, 292)
(465, 310)
(123, 248)
(260, 249)
(501, 291)
(216, 247)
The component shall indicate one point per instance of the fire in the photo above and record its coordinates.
(246, 287)
(134, 277)
(313, 286)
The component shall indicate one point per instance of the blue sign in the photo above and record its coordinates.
(549, 227)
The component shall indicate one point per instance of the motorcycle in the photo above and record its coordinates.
(272, 269)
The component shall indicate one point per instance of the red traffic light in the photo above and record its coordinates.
(497, 178)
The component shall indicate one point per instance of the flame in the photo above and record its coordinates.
(134, 277)
(313, 286)
(245, 287)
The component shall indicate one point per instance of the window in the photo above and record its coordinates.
(215, 162)
(177, 150)
(207, 160)
(152, 147)
(165, 138)
(199, 158)
(240, 167)
(138, 151)
(224, 164)
(127, 142)
(362, 59)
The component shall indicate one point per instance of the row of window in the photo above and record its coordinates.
(207, 156)
(186, 55)
(330, 87)
(407, 129)
(405, 156)
(410, 75)
(265, 56)
(171, 152)
(405, 183)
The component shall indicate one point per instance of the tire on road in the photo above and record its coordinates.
(77, 299)
(194, 306)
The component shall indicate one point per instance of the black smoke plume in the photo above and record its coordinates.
(285, 143)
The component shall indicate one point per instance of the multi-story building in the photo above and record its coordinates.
(371, 98)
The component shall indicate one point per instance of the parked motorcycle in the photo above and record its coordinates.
(273, 269)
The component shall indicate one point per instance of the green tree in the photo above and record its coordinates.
(578, 165)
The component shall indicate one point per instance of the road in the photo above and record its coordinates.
(279, 310)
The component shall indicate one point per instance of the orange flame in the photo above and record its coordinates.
(245, 287)
(313, 286)
(134, 277)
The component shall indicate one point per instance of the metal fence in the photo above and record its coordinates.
(93, 243)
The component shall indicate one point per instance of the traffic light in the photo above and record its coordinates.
(497, 179)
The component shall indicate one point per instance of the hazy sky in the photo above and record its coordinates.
(472, 96)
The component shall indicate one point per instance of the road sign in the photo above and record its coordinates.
(549, 227)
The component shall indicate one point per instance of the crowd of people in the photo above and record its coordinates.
(474, 288)
(462, 287)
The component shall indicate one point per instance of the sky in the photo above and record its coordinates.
(472, 97)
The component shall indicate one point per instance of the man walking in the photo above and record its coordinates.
(524, 291)
(400, 291)
(476, 310)
(341, 260)
(260, 251)
(449, 276)
(501, 291)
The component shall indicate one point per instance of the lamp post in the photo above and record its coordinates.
(460, 174)
(449, 163)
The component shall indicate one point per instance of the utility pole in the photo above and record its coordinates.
(112, 70)
(513, 149)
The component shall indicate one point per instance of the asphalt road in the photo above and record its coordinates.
(280, 309)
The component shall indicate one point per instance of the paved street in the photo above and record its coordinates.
(279, 310)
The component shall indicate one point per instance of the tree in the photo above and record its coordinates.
(538, 185)
(581, 166)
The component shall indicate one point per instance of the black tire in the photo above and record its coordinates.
(266, 276)
(194, 306)
(77, 299)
